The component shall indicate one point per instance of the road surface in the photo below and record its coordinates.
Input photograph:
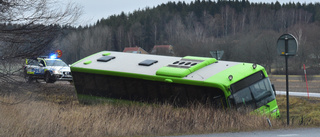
(300, 132)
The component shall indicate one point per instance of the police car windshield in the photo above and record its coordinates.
(56, 63)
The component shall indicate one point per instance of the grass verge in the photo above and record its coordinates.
(302, 111)
(42, 115)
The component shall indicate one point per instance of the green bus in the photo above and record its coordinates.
(177, 80)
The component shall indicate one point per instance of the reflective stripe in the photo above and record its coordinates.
(30, 72)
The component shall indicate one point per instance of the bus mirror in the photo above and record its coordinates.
(274, 90)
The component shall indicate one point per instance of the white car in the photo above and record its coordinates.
(48, 69)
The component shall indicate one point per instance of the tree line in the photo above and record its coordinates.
(245, 31)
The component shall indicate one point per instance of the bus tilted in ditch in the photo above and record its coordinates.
(177, 80)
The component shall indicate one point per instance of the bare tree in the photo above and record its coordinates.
(79, 44)
(27, 26)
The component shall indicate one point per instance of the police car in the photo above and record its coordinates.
(50, 69)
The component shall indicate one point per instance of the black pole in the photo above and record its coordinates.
(287, 89)
(287, 81)
(217, 55)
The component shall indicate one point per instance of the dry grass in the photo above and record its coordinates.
(51, 110)
(47, 110)
(302, 111)
(50, 119)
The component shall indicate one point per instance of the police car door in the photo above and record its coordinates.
(41, 67)
(32, 65)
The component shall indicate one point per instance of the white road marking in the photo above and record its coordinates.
(300, 94)
(288, 135)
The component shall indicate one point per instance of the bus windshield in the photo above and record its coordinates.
(256, 94)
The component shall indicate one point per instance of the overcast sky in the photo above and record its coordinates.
(97, 9)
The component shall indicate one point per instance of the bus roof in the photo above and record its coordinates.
(188, 68)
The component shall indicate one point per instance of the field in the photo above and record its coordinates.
(39, 109)
(297, 83)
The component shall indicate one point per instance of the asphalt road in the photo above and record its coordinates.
(300, 132)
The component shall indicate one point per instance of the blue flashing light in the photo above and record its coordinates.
(53, 56)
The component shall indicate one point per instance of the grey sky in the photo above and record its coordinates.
(97, 9)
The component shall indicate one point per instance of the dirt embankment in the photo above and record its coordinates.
(20, 91)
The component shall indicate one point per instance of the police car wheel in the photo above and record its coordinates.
(48, 78)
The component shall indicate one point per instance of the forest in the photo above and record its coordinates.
(245, 31)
